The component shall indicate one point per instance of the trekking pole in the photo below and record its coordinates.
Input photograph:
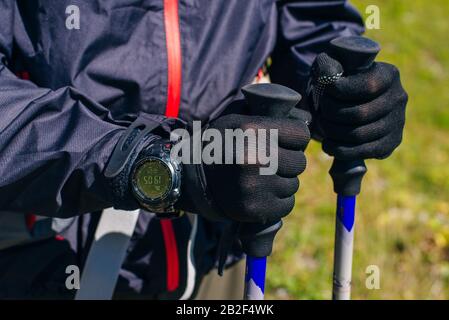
(257, 239)
(355, 54)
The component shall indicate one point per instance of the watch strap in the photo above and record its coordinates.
(135, 135)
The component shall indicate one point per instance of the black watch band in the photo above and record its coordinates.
(137, 134)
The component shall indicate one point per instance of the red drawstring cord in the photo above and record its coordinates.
(171, 251)
(30, 220)
(173, 39)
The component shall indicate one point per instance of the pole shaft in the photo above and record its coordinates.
(255, 278)
(344, 239)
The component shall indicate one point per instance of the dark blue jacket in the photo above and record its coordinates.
(84, 86)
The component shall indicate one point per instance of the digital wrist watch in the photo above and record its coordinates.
(155, 179)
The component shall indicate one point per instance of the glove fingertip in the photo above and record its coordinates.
(325, 69)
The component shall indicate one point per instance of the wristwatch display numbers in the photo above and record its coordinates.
(153, 179)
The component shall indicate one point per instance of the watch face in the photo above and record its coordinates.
(153, 179)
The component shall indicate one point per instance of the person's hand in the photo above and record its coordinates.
(240, 192)
(360, 116)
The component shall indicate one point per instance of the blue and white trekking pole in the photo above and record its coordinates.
(257, 242)
(257, 239)
(344, 228)
(355, 54)
(255, 274)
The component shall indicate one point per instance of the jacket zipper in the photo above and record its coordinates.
(174, 78)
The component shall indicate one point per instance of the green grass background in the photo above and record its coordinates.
(402, 222)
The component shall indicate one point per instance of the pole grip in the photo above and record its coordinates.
(347, 176)
(271, 100)
(257, 239)
(356, 54)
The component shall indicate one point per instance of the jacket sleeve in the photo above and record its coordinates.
(305, 30)
(54, 145)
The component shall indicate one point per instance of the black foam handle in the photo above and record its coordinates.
(257, 239)
(355, 54)
(275, 101)
(271, 100)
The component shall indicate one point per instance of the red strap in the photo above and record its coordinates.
(23, 75)
(30, 220)
(260, 75)
(171, 251)
(173, 39)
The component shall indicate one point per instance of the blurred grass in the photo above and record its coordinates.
(402, 223)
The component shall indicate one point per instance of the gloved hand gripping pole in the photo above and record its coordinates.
(355, 54)
(257, 239)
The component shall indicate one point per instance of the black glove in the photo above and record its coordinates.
(238, 191)
(359, 116)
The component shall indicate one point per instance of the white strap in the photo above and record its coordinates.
(106, 254)
(191, 270)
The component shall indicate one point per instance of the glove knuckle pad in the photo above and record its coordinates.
(362, 114)
(286, 206)
(285, 187)
(294, 135)
(291, 163)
